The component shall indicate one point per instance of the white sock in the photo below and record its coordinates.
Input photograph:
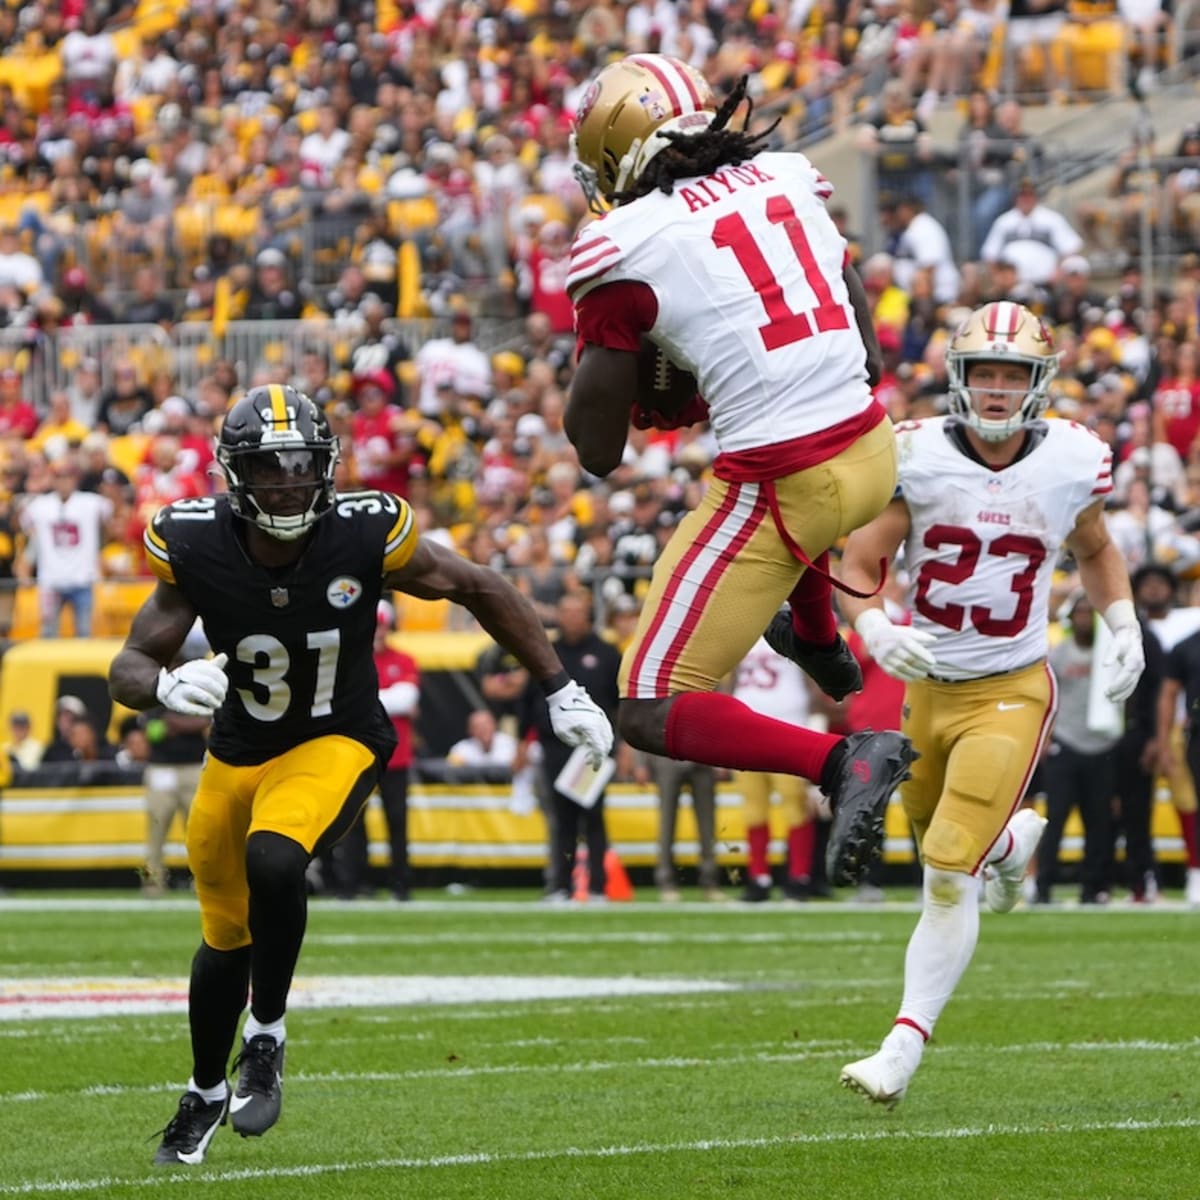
(940, 947)
(210, 1095)
(254, 1027)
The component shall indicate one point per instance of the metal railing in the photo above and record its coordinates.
(49, 362)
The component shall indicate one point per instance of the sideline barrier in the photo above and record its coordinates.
(463, 826)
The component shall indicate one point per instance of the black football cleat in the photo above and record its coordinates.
(832, 668)
(867, 770)
(186, 1137)
(256, 1101)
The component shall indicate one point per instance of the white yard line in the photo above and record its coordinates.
(577, 1153)
(804, 1052)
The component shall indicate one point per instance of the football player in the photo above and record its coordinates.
(286, 575)
(723, 255)
(987, 498)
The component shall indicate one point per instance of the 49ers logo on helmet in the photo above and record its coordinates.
(588, 102)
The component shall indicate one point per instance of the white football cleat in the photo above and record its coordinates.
(1191, 891)
(882, 1078)
(1003, 880)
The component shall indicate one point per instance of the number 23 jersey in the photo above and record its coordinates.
(983, 544)
(299, 638)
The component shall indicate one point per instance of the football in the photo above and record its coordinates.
(662, 386)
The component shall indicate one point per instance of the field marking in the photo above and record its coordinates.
(810, 1052)
(582, 937)
(736, 908)
(21, 999)
(577, 1153)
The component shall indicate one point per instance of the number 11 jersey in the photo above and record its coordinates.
(983, 544)
(299, 638)
(738, 277)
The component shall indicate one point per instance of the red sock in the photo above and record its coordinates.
(811, 603)
(800, 850)
(758, 838)
(1187, 827)
(713, 728)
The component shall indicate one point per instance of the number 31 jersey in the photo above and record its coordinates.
(299, 638)
(982, 548)
(746, 267)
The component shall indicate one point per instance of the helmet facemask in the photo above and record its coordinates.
(282, 490)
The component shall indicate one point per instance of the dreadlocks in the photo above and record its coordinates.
(692, 154)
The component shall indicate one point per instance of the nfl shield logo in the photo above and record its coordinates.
(279, 597)
(994, 485)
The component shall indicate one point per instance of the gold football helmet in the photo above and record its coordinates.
(623, 112)
(1001, 332)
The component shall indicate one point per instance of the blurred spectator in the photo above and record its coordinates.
(67, 710)
(18, 269)
(896, 138)
(17, 415)
(58, 430)
(670, 776)
(176, 749)
(452, 363)
(918, 243)
(1032, 236)
(1033, 29)
(384, 441)
(149, 306)
(485, 745)
(64, 530)
(142, 220)
(125, 404)
(270, 298)
(22, 747)
(775, 687)
(1080, 768)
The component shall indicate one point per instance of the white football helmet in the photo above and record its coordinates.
(623, 112)
(1002, 331)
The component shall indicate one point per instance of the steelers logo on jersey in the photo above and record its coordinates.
(343, 591)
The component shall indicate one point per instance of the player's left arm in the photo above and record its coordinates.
(866, 325)
(1102, 569)
(1105, 579)
(599, 404)
(436, 573)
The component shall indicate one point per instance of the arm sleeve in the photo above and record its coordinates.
(617, 315)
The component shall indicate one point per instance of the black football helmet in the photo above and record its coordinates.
(278, 454)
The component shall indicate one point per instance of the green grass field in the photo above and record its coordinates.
(1067, 1066)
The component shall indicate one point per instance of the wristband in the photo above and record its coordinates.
(869, 619)
(555, 683)
(1119, 614)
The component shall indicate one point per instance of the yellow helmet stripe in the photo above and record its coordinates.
(279, 413)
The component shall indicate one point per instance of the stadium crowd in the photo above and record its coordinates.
(346, 164)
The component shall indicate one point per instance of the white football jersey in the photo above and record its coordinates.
(746, 265)
(983, 544)
(772, 685)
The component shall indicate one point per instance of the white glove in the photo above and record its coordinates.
(577, 720)
(197, 688)
(1126, 658)
(900, 650)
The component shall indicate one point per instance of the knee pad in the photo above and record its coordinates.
(274, 862)
(949, 889)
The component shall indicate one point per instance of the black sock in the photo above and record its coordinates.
(275, 867)
(833, 767)
(216, 997)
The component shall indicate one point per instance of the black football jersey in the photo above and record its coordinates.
(299, 638)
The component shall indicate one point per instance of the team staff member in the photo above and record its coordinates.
(594, 663)
(285, 575)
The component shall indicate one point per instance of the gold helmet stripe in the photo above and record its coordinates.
(279, 412)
